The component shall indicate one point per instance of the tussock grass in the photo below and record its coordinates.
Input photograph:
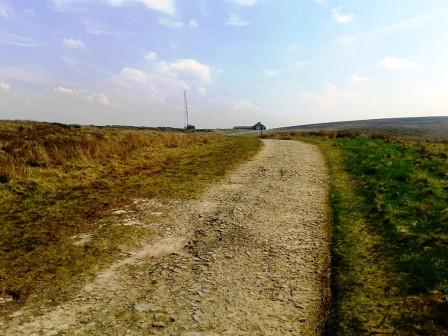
(390, 252)
(58, 181)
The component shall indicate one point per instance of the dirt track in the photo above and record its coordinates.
(249, 258)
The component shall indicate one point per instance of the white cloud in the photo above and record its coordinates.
(18, 40)
(357, 79)
(404, 24)
(186, 67)
(319, 2)
(396, 64)
(270, 73)
(301, 64)
(73, 43)
(66, 91)
(170, 23)
(167, 7)
(165, 79)
(393, 28)
(246, 3)
(193, 23)
(342, 18)
(151, 57)
(5, 87)
(164, 6)
(86, 95)
(98, 29)
(236, 21)
(134, 75)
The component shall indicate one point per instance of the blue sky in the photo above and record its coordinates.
(282, 62)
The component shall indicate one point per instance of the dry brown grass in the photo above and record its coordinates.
(58, 181)
(27, 145)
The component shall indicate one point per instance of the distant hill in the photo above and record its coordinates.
(426, 127)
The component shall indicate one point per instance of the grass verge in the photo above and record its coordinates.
(57, 182)
(389, 198)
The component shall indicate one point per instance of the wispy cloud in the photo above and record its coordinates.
(193, 23)
(396, 64)
(236, 21)
(18, 40)
(167, 7)
(244, 2)
(301, 64)
(404, 24)
(94, 28)
(342, 18)
(392, 28)
(134, 75)
(27, 74)
(319, 2)
(357, 79)
(270, 73)
(5, 87)
(86, 95)
(73, 43)
(151, 56)
(170, 23)
(5, 10)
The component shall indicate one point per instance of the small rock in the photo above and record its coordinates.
(145, 307)
(17, 314)
(158, 324)
(201, 294)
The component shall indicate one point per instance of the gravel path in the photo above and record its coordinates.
(249, 258)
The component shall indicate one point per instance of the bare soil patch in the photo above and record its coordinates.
(250, 257)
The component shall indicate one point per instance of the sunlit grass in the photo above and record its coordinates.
(57, 182)
(389, 198)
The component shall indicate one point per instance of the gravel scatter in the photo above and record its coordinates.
(250, 257)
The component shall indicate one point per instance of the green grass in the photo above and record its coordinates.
(389, 198)
(57, 182)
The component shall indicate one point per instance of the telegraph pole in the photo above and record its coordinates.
(186, 109)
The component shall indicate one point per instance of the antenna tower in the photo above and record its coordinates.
(186, 109)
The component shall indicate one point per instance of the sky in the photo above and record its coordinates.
(281, 62)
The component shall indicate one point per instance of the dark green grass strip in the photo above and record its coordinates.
(389, 198)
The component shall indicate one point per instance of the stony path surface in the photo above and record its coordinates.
(248, 258)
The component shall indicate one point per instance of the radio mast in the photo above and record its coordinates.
(186, 109)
